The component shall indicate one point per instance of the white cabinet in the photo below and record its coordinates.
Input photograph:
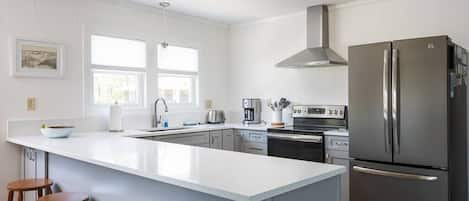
(216, 139)
(337, 152)
(228, 140)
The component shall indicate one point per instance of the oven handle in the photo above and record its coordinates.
(297, 138)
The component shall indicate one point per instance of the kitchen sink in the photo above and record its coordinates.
(152, 130)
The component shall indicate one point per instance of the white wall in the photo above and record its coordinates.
(68, 22)
(257, 46)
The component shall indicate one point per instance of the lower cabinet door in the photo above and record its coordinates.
(215, 139)
(228, 140)
(373, 182)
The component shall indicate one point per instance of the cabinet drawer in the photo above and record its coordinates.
(257, 137)
(255, 148)
(337, 143)
(252, 136)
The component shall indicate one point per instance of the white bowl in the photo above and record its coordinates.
(62, 132)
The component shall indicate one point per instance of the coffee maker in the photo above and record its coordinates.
(252, 110)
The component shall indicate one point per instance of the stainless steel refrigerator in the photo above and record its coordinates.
(408, 121)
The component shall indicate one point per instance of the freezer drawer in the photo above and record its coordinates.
(373, 181)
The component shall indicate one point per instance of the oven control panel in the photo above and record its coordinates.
(319, 111)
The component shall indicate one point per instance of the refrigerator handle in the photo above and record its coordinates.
(387, 134)
(395, 100)
(394, 174)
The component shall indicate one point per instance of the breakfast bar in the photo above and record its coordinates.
(95, 163)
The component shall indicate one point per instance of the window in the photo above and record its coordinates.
(122, 87)
(108, 51)
(178, 58)
(118, 71)
(177, 74)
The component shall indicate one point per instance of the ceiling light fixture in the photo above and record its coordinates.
(164, 5)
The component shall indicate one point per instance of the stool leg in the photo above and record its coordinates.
(20, 196)
(48, 190)
(10, 195)
(39, 193)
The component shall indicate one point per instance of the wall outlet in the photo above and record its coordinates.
(31, 104)
(208, 104)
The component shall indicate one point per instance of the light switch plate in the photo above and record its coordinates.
(31, 104)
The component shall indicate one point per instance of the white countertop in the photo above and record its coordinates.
(240, 176)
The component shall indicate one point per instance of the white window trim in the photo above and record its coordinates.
(195, 81)
(90, 108)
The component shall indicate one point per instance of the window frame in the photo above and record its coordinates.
(140, 88)
(142, 72)
(194, 75)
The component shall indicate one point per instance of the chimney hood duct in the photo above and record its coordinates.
(318, 53)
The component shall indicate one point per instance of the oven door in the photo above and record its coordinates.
(294, 146)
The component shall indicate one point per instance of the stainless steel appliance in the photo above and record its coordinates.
(318, 53)
(304, 140)
(215, 117)
(407, 121)
(252, 110)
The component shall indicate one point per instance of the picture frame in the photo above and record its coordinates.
(37, 59)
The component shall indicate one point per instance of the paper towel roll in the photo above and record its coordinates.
(115, 118)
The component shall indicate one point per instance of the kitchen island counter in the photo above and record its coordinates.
(225, 174)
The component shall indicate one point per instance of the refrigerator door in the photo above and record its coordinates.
(373, 182)
(369, 102)
(419, 104)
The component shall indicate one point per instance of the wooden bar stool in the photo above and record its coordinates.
(25, 185)
(65, 197)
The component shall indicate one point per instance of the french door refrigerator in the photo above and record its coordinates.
(407, 121)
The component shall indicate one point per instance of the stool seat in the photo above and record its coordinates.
(21, 186)
(65, 197)
(29, 184)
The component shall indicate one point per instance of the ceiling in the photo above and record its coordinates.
(238, 11)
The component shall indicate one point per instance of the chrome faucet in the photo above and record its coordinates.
(157, 120)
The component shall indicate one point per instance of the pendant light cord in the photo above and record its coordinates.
(165, 5)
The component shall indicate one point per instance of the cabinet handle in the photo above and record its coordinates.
(394, 174)
(254, 148)
(387, 128)
(341, 143)
(395, 99)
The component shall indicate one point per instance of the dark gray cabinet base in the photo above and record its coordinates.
(104, 184)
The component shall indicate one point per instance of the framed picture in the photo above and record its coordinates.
(37, 59)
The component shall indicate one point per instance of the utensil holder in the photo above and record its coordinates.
(277, 116)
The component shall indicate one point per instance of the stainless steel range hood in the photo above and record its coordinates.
(318, 53)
